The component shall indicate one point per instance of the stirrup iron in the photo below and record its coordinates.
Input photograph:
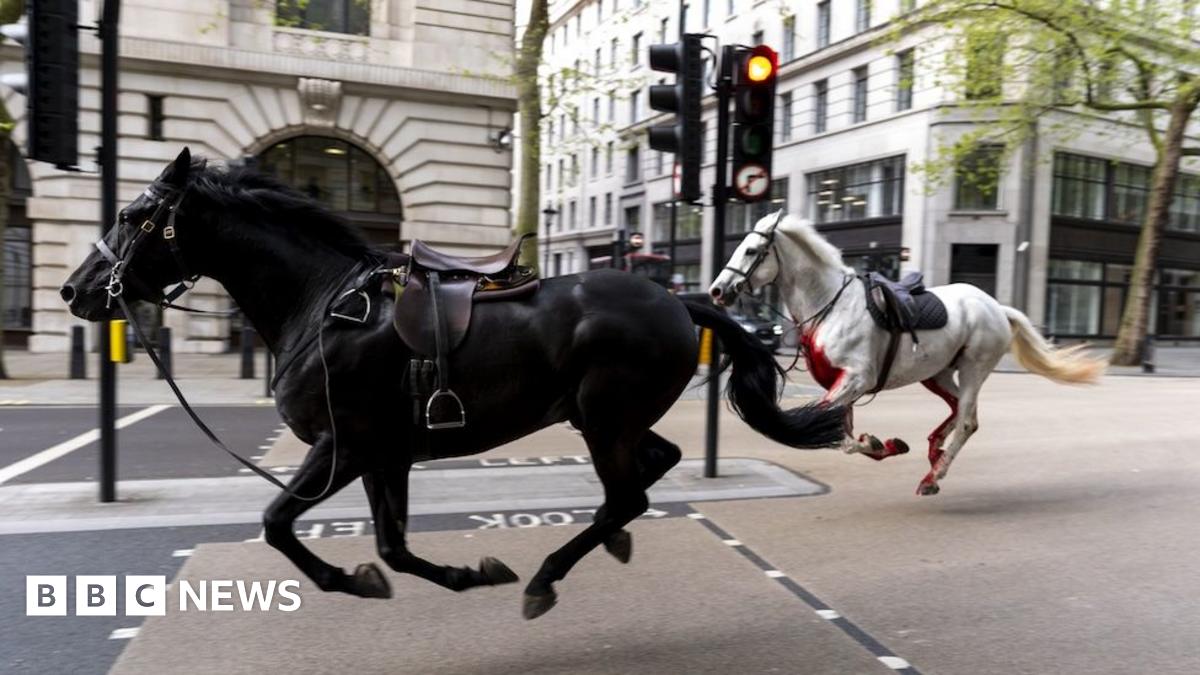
(453, 424)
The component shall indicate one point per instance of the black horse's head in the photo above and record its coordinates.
(137, 258)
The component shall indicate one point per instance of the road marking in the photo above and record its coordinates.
(850, 629)
(67, 447)
(124, 633)
(696, 516)
(182, 552)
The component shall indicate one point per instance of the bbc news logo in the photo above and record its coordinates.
(147, 595)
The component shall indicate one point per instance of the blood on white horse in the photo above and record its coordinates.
(845, 350)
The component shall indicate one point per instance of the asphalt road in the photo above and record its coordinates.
(1063, 542)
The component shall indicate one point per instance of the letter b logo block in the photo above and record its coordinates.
(95, 595)
(45, 595)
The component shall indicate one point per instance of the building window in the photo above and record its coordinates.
(613, 49)
(635, 50)
(687, 223)
(334, 16)
(905, 72)
(789, 38)
(820, 106)
(977, 179)
(860, 94)
(862, 16)
(635, 113)
(633, 219)
(598, 62)
(1080, 186)
(633, 164)
(907, 5)
(608, 159)
(785, 116)
(1185, 208)
(1090, 188)
(730, 7)
(1131, 193)
(154, 117)
(549, 176)
(662, 30)
(1073, 308)
(572, 223)
(823, 24)
(985, 61)
(705, 12)
(574, 170)
(858, 192)
(595, 168)
(612, 106)
(608, 208)
(591, 211)
(659, 163)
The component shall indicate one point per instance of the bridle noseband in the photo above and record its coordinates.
(768, 248)
(167, 202)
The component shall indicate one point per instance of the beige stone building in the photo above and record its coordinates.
(395, 113)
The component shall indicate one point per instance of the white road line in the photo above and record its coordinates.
(66, 447)
(774, 574)
(894, 662)
(696, 516)
(732, 542)
(124, 633)
(182, 552)
(264, 447)
(829, 614)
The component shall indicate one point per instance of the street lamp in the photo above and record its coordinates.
(549, 212)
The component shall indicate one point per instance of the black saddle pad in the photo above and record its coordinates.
(927, 309)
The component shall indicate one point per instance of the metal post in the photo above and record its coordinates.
(109, 45)
(164, 352)
(720, 188)
(674, 234)
(268, 373)
(78, 363)
(247, 353)
(1148, 355)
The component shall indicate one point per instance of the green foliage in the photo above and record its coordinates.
(1008, 63)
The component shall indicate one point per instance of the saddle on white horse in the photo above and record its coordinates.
(900, 307)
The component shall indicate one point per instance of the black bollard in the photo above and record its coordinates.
(247, 353)
(164, 352)
(78, 355)
(268, 373)
(1148, 355)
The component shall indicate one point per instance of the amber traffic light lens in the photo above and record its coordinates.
(759, 68)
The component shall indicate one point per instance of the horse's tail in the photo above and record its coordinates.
(755, 385)
(1069, 365)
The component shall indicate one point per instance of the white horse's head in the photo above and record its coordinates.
(754, 264)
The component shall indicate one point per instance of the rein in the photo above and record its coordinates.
(169, 203)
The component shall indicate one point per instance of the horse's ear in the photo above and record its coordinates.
(177, 172)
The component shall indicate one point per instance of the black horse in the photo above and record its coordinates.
(605, 350)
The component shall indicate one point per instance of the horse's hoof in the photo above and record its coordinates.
(537, 605)
(495, 572)
(928, 488)
(896, 446)
(620, 546)
(369, 582)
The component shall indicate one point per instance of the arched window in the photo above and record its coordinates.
(342, 177)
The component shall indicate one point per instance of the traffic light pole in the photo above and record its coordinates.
(720, 199)
(108, 215)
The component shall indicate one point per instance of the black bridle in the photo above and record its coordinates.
(167, 201)
(768, 248)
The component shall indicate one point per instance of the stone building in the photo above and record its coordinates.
(1055, 236)
(395, 113)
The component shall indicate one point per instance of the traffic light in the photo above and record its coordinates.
(51, 81)
(753, 121)
(681, 137)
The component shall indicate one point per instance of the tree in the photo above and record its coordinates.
(10, 12)
(1055, 64)
(529, 111)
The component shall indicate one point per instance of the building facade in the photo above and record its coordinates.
(1054, 235)
(394, 113)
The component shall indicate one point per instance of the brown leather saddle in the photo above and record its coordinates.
(435, 295)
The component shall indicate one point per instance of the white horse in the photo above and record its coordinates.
(846, 351)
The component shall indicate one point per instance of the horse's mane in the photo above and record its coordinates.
(807, 236)
(256, 195)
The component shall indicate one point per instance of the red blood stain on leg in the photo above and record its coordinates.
(939, 434)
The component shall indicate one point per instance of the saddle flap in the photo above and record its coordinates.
(413, 316)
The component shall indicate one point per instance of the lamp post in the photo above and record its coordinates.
(549, 212)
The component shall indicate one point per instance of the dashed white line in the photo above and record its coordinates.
(696, 516)
(828, 614)
(894, 662)
(124, 633)
(182, 552)
(68, 446)
(264, 447)
(774, 574)
(732, 542)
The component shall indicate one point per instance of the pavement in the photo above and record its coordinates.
(1062, 542)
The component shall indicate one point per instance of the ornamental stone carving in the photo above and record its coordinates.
(323, 46)
(319, 100)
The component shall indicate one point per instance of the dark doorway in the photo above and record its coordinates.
(974, 264)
